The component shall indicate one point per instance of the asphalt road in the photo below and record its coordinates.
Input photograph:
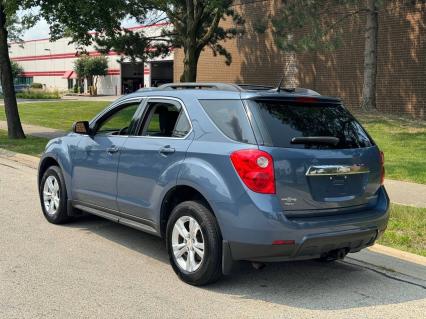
(94, 268)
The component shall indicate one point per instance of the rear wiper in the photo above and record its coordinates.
(316, 140)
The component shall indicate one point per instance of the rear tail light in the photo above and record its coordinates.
(307, 99)
(382, 168)
(283, 242)
(256, 169)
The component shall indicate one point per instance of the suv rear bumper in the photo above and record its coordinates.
(311, 247)
(305, 238)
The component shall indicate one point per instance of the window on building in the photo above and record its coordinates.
(70, 84)
(24, 80)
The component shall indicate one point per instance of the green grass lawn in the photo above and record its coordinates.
(404, 143)
(406, 229)
(58, 114)
(31, 145)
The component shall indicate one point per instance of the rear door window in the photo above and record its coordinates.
(279, 122)
(165, 119)
(231, 118)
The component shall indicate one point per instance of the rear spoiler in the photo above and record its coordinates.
(297, 99)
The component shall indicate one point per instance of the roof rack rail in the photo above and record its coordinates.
(197, 85)
(230, 87)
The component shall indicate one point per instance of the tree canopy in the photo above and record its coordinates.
(191, 24)
(91, 68)
(87, 66)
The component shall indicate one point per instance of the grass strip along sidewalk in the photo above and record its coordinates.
(406, 229)
(31, 145)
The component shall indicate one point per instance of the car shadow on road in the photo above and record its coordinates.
(303, 284)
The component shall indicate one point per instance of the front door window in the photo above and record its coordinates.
(120, 122)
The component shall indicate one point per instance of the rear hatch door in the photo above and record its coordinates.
(324, 160)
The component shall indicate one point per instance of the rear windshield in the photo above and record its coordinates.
(231, 118)
(279, 122)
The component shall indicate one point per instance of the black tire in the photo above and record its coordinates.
(61, 215)
(210, 269)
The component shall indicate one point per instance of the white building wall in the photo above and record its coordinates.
(47, 62)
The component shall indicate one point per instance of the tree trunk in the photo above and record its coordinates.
(370, 57)
(190, 63)
(14, 127)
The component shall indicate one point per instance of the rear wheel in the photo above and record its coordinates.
(53, 196)
(194, 244)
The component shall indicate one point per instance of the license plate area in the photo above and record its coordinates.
(337, 183)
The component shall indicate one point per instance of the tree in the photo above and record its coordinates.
(194, 25)
(91, 68)
(8, 11)
(17, 69)
(370, 57)
(310, 25)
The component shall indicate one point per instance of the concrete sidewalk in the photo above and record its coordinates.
(406, 193)
(108, 98)
(38, 131)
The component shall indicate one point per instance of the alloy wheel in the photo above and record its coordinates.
(51, 195)
(188, 243)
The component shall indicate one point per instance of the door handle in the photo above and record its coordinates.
(166, 150)
(112, 150)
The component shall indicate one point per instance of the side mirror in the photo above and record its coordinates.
(81, 127)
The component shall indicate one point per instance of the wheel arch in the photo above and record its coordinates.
(177, 195)
(45, 163)
(51, 159)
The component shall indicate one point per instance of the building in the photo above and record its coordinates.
(52, 64)
(401, 82)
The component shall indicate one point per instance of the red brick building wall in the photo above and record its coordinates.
(401, 82)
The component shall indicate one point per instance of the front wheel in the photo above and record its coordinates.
(194, 243)
(53, 196)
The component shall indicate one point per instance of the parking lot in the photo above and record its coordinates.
(97, 269)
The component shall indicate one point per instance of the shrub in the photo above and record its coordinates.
(35, 94)
(36, 86)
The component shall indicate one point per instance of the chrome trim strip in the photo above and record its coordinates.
(326, 170)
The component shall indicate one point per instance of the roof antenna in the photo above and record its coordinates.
(278, 88)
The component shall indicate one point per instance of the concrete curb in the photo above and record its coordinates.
(392, 261)
(396, 253)
(26, 160)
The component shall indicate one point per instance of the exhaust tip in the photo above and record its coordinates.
(258, 265)
(337, 254)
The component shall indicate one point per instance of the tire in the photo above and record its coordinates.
(209, 268)
(59, 213)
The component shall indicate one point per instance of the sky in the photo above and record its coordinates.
(41, 30)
